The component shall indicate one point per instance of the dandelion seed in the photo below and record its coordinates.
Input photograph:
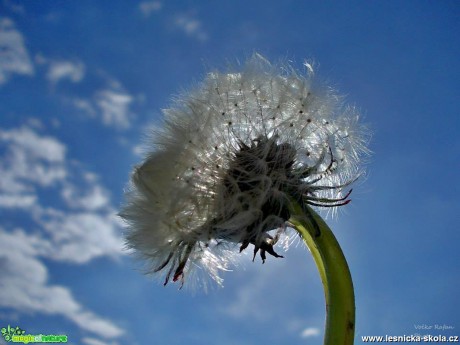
(228, 159)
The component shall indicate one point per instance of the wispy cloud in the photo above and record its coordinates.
(148, 7)
(17, 200)
(77, 230)
(85, 105)
(114, 106)
(29, 160)
(14, 57)
(73, 71)
(14, 7)
(93, 198)
(81, 237)
(250, 296)
(111, 105)
(94, 341)
(264, 289)
(191, 26)
(34, 161)
(310, 332)
(25, 285)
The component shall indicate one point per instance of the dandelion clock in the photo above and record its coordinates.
(239, 159)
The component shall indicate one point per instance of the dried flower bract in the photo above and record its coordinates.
(230, 156)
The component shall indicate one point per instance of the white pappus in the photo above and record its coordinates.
(226, 162)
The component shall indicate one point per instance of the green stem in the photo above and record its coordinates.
(334, 272)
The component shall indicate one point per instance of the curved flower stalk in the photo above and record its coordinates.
(234, 160)
(334, 272)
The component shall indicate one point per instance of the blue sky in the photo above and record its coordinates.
(81, 82)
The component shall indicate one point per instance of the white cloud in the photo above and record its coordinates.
(30, 160)
(93, 199)
(148, 7)
(81, 237)
(91, 322)
(85, 105)
(94, 341)
(35, 123)
(110, 104)
(14, 57)
(310, 332)
(25, 288)
(61, 70)
(17, 200)
(139, 150)
(191, 26)
(78, 230)
(114, 105)
(33, 161)
(39, 147)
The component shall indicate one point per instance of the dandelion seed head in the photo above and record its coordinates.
(229, 156)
